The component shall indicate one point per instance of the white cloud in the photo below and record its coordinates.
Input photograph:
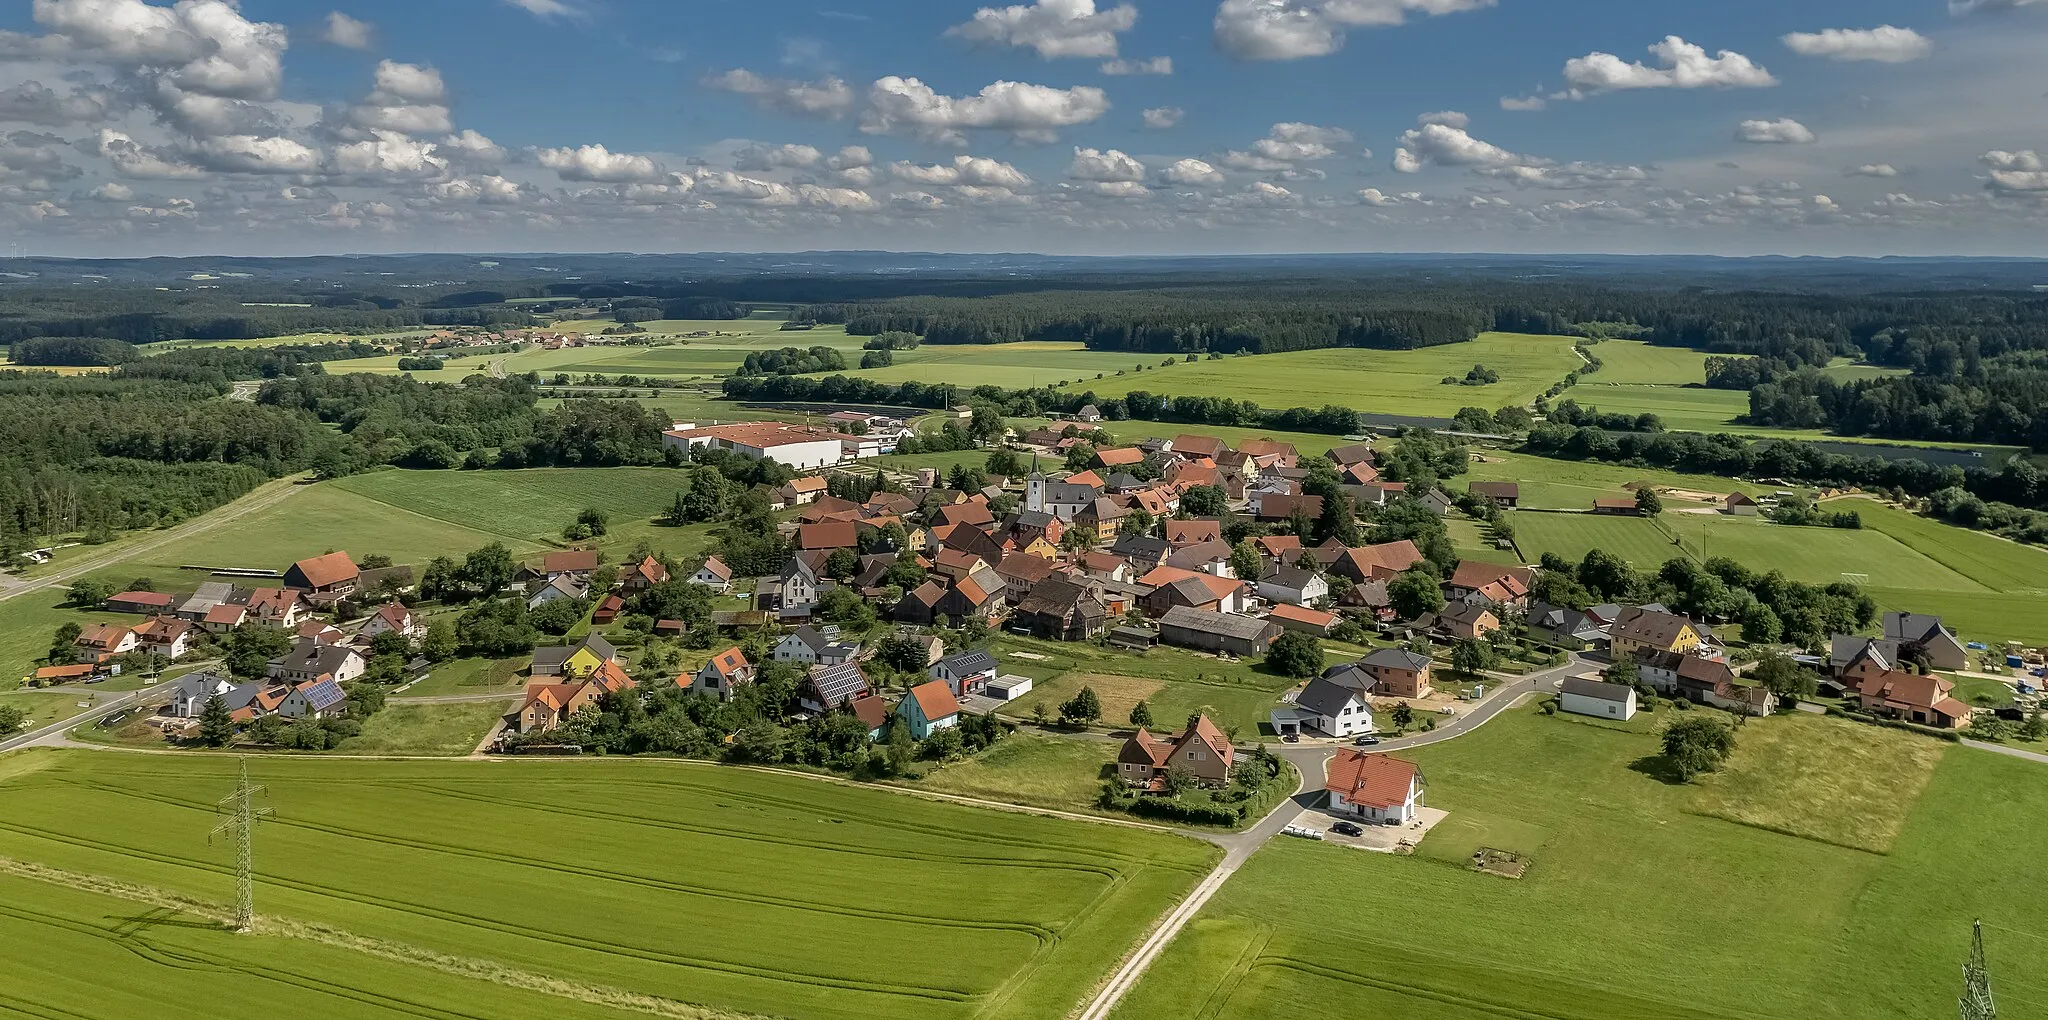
(825, 97)
(471, 147)
(2015, 172)
(1293, 29)
(114, 192)
(1445, 145)
(546, 8)
(390, 154)
(409, 83)
(408, 98)
(1110, 166)
(757, 158)
(1962, 8)
(1287, 144)
(597, 164)
(32, 102)
(341, 30)
(1683, 65)
(130, 158)
(1783, 131)
(1437, 141)
(1156, 65)
(1159, 118)
(1523, 103)
(1885, 44)
(1031, 113)
(1193, 173)
(1379, 199)
(1448, 118)
(1873, 170)
(964, 171)
(1054, 28)
(255, 155)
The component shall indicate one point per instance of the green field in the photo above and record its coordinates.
(1634, 362)
(530, 508)
(1817, 555)
(1681, 408)
(1012, 366)
(687, 890)
(1725, 899)
(1174, 682)
(1392, 382)
(470, 676)
(1045, 772)
(449, 730)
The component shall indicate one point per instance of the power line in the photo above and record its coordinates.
(1976, 1002)
(241, 815)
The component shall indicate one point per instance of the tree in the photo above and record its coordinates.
(707, 494)
(902, 654)
(249, 648)
(842, 564)
(440, 643)
(1403, 715)
(1472, 657)
(986, 426)
(63, 642)
(1295, 654)
(90, 593)
(901, 749)
(488, 570)
(1140, 522)
(2036, 726)
(593, 519)
(1697, 744)
(1246, 563)
(1790, 681)
(1648, 502)
(216, 725)
(12, 719)
(1082, 708)
(1621, 671)
(1416, 593)
(1141, 714)
(1205, 501)
(1005, 463)
(1179, 780)
(559, 616)
(677, 514)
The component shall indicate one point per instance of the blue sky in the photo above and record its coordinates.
(1826, 126)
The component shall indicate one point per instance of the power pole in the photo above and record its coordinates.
(241, 815)
(1976, 1002)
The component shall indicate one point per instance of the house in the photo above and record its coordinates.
(1022, 572)
(726, 670)
(1102, 519)
(578, 661)
(919, 606)
(1923, 638)
(1107, 567)
(1580, 696)
(976, 514)
(929, 708)
(1144, 551)
(1617, 507)
(1201, 749)
(283, 608)
(1088, 413)
(1061, 611)
(794, 595)
(191, 692)
(873, 713)
(1356, 453)
(801, 447)
(326, 579)
(1398, 672)
(811, 646)
(645, 574)
(828, 536)
(1858, 658)
(1911, 697)
(1461, 622)
(1293, 586)
(1487, 584)
(317, 698)
(801, 491)
(576, 564)
(1438, 503)
(309, 661)
(1181, 534)
(607, 611)
(1329, 708)
(1312, 622)
(1374, 787)
(1270, 453)
(548, 706)
(167, 636)
(103, 641)
(965, 673)
(1207, 591)
(1192, 447)
(974, 597)
(320, 632)
(1119, 457)
(141, 603)
(1211, 557)
(829, 687)
(219, 619)
(394, 618)
(1506, 495)
(1564, 627)
(1739, 505)
(1217, 632)
(565, 586)
(1276, 507)
(1642, 629)
(1376, 562)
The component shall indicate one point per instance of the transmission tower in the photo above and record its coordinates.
(239, 817)
(1976, 1002)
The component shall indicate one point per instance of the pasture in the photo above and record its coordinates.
(686, 890)
(1392, 382)
(1635, 362)
(529, 508)
(1644, 899)
(1011, 366)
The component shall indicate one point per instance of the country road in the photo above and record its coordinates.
(263, 498)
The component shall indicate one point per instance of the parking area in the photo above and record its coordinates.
(1386, 839)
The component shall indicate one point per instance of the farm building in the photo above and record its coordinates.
(798, 446)
(1602, 700)
(1216, 632)
(1506, 495)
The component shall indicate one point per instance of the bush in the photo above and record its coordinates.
(1194, 814)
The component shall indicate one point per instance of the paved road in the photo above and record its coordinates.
(2010, 752)
(54, 733)
(262, 499)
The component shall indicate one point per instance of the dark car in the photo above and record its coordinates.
(1367, 741)
(1347, 829)
(1290, 738)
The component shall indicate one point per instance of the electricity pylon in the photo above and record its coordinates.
(1976, 1002)
(240, 817)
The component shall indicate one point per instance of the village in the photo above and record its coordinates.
(882, 630)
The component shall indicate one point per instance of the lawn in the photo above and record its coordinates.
(470, 676)
(446, 729)
(1991, 561)
(683, 885)
(1637, 904)
(1037, 771)
(1173, 682)
(1392, 382)
(1551, 484)
(1991, 617)
(1681, 408)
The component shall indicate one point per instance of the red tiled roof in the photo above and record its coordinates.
(227, 614)
(1122, 456)
(573, 561)
(1371, 780)
(871, 711)
(324, 571)
(1303, 614)
(729, 662)
(830, 535)
(935, 700)
(764, 435)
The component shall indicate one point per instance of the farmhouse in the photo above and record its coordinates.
(324, 579)
(1216, 632)
(1506, 495)
(929, 708)
(141, 603)
(166, 636)
(1293, 586)
(1201, 749)
(1639, 630)
(103, 641)
(1926, 700)
(310, 660)
(1923, 637)
(1061, 611)
(1374, 787)
(644, 575)
(1486, 584)
(1398, 673)
(799, 446)
(394, 618)
(1591, 697)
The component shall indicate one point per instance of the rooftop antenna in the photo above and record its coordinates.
(1976, 1002)
(240, 815)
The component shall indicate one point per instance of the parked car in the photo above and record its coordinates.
(1347, 829)
(1290, 738)
(1366, 741)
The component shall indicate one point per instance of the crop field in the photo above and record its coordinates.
(1573, 485)
(1634, 362)
(1681, 408)
(1046, 772)
(1816, 555)
(678, 890)
(1393, 382)
(1643, 899)
(1011, 366)
(531, 507)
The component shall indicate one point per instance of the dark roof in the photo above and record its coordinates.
(969, 663)
(1396, 658)
(1913, 628)
(1596, 689)
(1512, 490)
(323, 694)
(1289, 577)
(1056, 598)
(836, 685)
(1141, 547)
(1326, 698)
(1649, 626)
(597, 644)
(1244, 628)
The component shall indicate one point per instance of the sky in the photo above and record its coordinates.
(282, 127)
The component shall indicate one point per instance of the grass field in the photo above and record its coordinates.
(1047, 772)
(530, 508)
(1819, 555)
(1011, 366)
(448, 729)
(1393, 382)
(1642, 900)
(1634, 362)
(470, 676)
(687, 887)
(1173, 682)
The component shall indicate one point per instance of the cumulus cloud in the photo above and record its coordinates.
(1286, 145)
(130, 158)
(1783, 131)
(1446, 145)
(1159, 118)
(1293, 29)
(389, 154)
(1443, 141)
(964, 171)
(470, 147)
(1963, 8)
(1032, 113)
(253, 154)
(1523, 103)
(1885, 44)
(1193, 173)
(31, 102)
(757, 158)
(1379, 199)
(1682, 65)
(825, 97)
(1054, 28)
(1872, 170)
(597, 164)
(547, 8)
(1101, 166)
(408, 98)
(341, 30)
(1156, 65)
(2015, 172)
